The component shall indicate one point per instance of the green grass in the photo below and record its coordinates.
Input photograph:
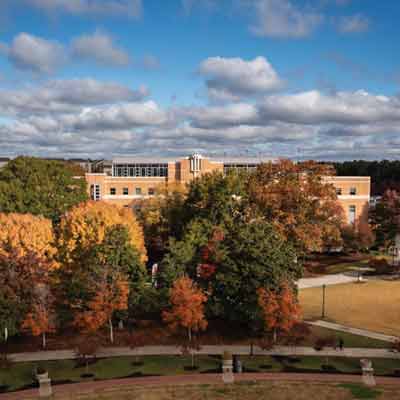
(350, 340)
(19, 375)
(361, 392)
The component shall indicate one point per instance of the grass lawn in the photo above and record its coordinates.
(349, 339)
(245, 391)
(373, 305)
(19, 375)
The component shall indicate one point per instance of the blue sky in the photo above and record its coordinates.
(98, 78)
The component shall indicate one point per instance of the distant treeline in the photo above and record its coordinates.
(384, 174)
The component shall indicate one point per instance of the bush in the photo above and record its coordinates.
(323, 342)
(380, 265)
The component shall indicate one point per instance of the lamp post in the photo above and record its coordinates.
(323, 300)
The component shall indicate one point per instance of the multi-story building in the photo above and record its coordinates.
(125, 180)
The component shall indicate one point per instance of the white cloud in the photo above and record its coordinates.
(282, 18)
(121, 8)
(63, 96)
(32, 53)
(234, 78)
(353, 24)
(100, 48)
(315, 107)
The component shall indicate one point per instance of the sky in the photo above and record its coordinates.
(305, 79)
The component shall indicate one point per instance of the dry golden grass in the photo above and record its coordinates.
(374, 305)
(243, 391)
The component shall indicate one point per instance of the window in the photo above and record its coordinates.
(151, 192)
(353, 191)
(125, 191)
(138, 191)
(142, 170)
(113, 191)
(339, 191)
(352, 214)
(95, 192)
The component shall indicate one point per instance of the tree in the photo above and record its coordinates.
(187, 308)
(40, 319)
(386, 219)
(250, 256)
(40, 187)
(161, 218)
(86, 348)
(86, 224)
(21, 278)
(108, 278)
(296, 199)
(109, 297)
(21, 234)
(280, 309)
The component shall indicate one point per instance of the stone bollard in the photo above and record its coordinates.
(367, 372)
(45, 389)
(227, 368)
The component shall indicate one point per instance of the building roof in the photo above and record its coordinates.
(166, 160)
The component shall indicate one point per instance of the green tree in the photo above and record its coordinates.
(386, 219)
(250, 256)
(40, 187)
(108, 264)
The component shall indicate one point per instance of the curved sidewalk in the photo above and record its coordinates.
(194, 379)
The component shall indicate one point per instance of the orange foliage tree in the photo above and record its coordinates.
(40, 321)
(280, 309)
(86, 225)
(21, 234)
(187, 307)
(300, 203)
(111, 295)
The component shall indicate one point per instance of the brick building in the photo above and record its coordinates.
(125, 180)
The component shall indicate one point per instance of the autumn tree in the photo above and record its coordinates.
(21, 279)
(107, 279)
(40, 319)
(40, 187)
(21, 234)
(187, 308)
(279, 309)
(86, 224)
(299, 202)
(386, 219)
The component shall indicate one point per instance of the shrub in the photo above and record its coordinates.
(323, 342)
(380, 265)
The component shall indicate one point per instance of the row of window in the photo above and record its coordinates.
(140, 170)
(352, 191)
(138, 191)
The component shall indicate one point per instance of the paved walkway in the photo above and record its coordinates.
(194, 379)
(206, 350)
(355, 331)
(335, 279)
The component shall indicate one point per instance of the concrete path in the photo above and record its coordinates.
(206, 350)
(355, 331)
(117, 385)
(335, 279)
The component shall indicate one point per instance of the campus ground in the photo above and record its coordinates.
(244, 390)
(373, 305)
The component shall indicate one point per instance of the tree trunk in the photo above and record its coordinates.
(190, 334)
(275, 335)
(5, 334)
(111, 331)
(87, 364)
(44, 340)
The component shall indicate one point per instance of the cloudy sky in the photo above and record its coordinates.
(292, 78)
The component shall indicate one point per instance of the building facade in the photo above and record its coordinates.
(123, 181)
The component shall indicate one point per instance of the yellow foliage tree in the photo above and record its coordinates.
(21, 234)
(86, 224)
